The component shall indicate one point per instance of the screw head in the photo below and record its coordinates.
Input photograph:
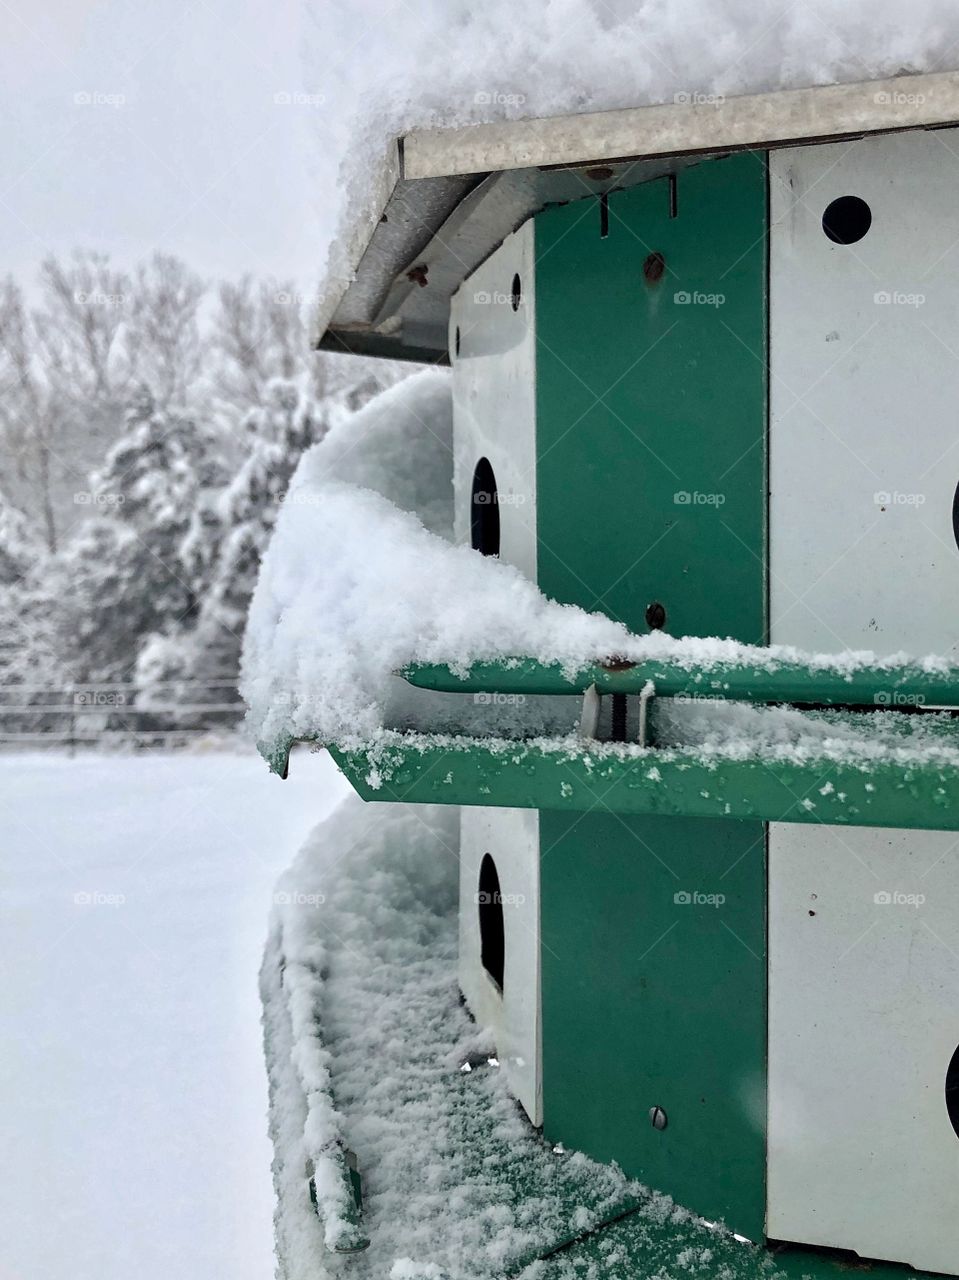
(655, 616)
(653, 268)
(658, 1118)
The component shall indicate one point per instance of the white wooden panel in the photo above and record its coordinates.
(864, 387)
(863, 1022)
(511, 838)
(494, 416)
(494, 394)
(864, 993)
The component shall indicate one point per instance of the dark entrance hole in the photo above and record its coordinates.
(952, 1091)
(492, 934)
(847, 219)
(484, 510)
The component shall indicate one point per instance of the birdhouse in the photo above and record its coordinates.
(705, 361)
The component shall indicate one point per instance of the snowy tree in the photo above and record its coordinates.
(19, 546)
(282, 429)
(163, 345)
(151, 563)
(259, 333)
(31, 672)
(123, 578)
(237, 529)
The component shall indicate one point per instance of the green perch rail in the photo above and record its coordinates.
(894, 791)
(882, 685)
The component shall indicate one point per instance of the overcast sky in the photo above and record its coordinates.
(193, 126)
(184, 125)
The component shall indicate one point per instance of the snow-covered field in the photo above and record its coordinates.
(133, 907)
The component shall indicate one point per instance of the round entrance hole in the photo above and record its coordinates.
(492, 932)
(846, 219)
(484, 510)
(952, 1091)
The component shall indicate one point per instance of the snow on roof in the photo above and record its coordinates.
(469, 97)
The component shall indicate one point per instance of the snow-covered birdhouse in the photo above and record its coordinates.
(705, 364)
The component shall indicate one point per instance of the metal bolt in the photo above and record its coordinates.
(657, 1118)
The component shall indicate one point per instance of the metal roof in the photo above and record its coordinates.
(446, 198)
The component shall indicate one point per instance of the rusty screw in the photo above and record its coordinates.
(657, 1118)
(655, 616)
(653, 268)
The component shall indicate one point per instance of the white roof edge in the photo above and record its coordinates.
(358, 237)
(696, 123)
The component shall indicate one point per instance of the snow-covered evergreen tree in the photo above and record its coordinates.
(122, 575)
(19, 545)
(31, 673)
(223, 547)
(281, 431)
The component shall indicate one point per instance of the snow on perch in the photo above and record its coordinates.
(362, 580)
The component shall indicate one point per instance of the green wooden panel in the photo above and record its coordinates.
(651, 487)
(644, 401)
(647, 1246)
(654, 982)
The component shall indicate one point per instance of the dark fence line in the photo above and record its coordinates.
(118, 714)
